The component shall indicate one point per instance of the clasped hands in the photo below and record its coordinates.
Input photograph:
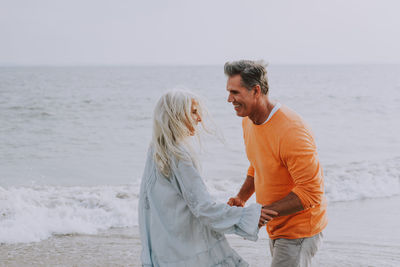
(266, 214)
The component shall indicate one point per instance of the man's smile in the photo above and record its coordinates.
(236, 106)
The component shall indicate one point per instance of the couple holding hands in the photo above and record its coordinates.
(180, 223)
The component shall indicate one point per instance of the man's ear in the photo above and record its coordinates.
(257, 90)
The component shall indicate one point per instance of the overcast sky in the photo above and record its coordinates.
(70, 32)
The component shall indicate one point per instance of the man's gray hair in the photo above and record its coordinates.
(252, 73)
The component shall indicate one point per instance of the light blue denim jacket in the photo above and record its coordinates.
(180, 223)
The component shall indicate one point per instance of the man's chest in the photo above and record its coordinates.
(263, 151)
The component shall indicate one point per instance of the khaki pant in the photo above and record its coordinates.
(294, 252)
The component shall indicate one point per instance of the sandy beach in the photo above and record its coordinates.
(360, 233)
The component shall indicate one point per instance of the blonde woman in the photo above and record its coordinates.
(180, 223)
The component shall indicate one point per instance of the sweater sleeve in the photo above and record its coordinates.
(220, 217)
(250, 171)
(299, 155)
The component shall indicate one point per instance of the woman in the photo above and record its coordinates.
(180, 224)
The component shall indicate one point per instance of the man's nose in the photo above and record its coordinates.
(230, 98)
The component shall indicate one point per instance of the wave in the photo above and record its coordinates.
(31, 214)
(362, 180)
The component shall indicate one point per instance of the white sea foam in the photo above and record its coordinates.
(30, 214)
(360, 180)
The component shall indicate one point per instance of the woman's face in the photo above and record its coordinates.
(195, 116)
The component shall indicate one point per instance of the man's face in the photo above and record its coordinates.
(241, 98)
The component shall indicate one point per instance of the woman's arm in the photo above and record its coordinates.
(218, 216)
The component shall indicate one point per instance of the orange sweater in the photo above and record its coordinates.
(283, 158)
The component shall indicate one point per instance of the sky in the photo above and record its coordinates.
(186, 32)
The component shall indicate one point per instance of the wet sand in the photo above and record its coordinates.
(360, 233)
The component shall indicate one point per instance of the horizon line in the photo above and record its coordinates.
(187, 64)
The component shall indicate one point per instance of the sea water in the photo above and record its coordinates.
(73, 140)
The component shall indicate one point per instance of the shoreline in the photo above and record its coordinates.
(359, 233)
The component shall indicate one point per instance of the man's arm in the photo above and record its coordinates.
(246, 191)
(299, 155)
(287, 205)
(244, 194)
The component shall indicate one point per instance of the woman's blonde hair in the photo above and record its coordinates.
(172, 116)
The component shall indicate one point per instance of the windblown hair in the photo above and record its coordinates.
(172, 116)
(252, 73)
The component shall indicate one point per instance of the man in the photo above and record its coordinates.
(284, 168)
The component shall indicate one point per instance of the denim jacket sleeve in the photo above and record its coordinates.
(220, 217)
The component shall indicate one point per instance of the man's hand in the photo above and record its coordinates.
(236, 201)
(244, 194)
(266, 216)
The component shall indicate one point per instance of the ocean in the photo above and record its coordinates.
(74, 139)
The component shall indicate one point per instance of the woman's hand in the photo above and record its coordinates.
(266, 216)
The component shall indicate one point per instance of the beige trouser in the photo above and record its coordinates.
(294, 252)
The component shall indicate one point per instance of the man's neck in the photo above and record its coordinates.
(262, 112)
